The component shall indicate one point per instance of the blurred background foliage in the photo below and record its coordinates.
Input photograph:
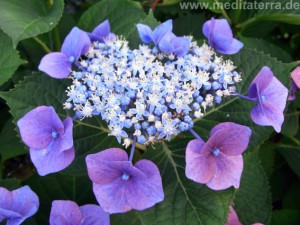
(270, 183)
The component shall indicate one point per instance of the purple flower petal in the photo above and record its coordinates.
(232, 217)
(66, 139)
(56, 65)
(37, 125)
(176, 45)
(100, 168)
(260, 82)
(77, 43)
(161, 30)
(145, 33)
(199, 164)
(220, 37)
(230, 138)
(94, 215)
(293, 89)
(65, 213)
(295, 75)
(228, 171)
(266, 114)
(144, 193)
(119, 186)
(51, 159)
(102, 30)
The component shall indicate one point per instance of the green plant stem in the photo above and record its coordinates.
(295, 140)
(293, 113)
(42, 44)
(224, 13)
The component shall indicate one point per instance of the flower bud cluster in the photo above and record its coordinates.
(147, 93)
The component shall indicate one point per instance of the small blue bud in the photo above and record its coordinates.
(216, 85)
(218, 99)
(183, 126)
(127, 123)
(125, 176)
(137, 126)
(141, 139)
(199, 99)
(145, 125)
(207, 86)
(71, 59)
(196, 106)
(54, 134)
(216, 152)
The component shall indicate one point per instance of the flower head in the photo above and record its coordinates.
(69, 213)
(220, 37)
(119, 186)
(218, 163)
(148, 36)
(17, 205)
(271, 96)
(59, 64)
(49, 139)
(102, 33)
(295, 83)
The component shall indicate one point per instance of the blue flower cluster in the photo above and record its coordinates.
(148, 93)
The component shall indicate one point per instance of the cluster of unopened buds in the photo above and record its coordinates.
(145, 95)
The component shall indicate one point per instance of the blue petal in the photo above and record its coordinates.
(162, 29)
(145, 33)
(233, 48)
(102, 30)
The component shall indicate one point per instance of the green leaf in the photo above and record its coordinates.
(266, 153)
(59, 187)
(10, 184)
(267, 48)
(28, 18)
(253, 198)
(286, 216)
(9, 59)
(10, 145)
(291, 199)
(90, 135)
(186, 202)
(292, 156)
(122, 15)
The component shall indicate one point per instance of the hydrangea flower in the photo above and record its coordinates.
(171, 44)
(49, 139)
(69, 213)
(295, 83)
(17, 205)
(59, 64)
(102, 33)
(220, 37)
(233, 218)
(149, 36)
(270, 95)
(218, 163)
(119, 186)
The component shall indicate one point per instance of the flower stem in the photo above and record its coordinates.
(195, 134)
(246, 97)
(132, 149)
(41, 43)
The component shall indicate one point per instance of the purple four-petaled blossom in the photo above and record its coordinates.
(65, 212)
(220, 37)
(172, 44)
(119, 186)
(233, 218)
(271, 96)
(102, 33)
(149, 36)
(49, 139)
(218, 163)
(17, 205)
(59, 64)
(295, 83)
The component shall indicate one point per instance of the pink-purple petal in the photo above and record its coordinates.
(93, 215)
(143, 193)
(265, 114)
(232, 217)
(295, 75)
(24, 202)
(76, 43)
(111, 196)
(100, 168)
(228, 171)
(260, 82)
(37, 125)
(51, 159)
(66, 139)
(199, 164)
(230, 138)
(65, 213)
(56, 65)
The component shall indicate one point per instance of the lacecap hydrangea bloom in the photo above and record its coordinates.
(146, 95)
(50, 140)
(64, 212)
(17, 205)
